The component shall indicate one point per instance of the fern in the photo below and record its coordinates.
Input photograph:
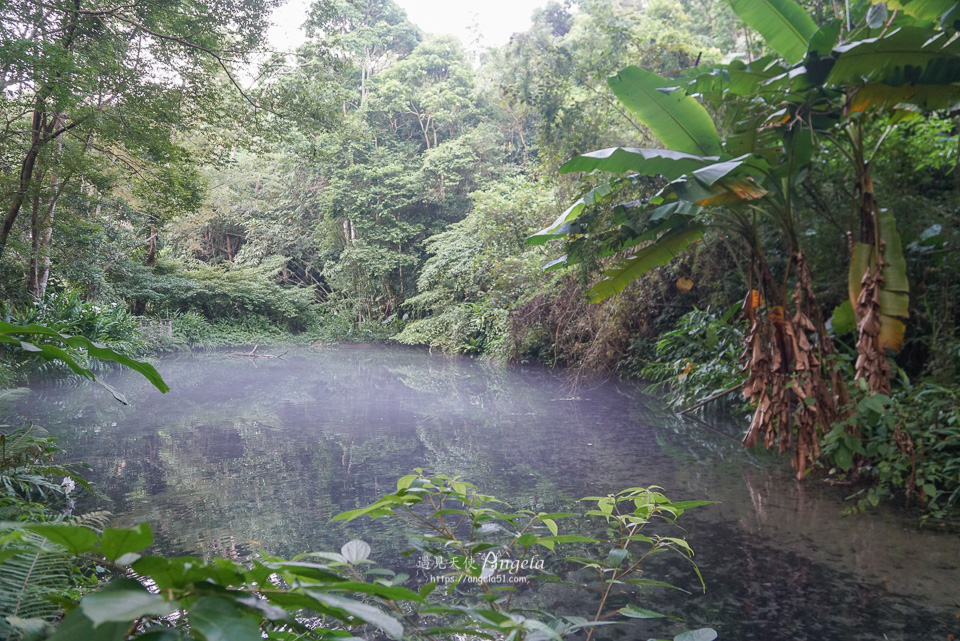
(94, 520)
(37, 576)
(32, 581)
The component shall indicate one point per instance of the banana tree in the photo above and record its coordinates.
(735, 185)
(892, 67)
(777, 111)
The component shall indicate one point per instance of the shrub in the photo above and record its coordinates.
(695, 361)
(241, 292)
(907, 444)
(476, 541)
(68, 313)
(106, 324)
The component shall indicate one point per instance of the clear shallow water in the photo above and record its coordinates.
(249, 455)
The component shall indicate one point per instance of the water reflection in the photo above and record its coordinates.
(244, 456)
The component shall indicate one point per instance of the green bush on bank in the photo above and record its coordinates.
(193, 330)
(109, 324)
(218, 292)
(697, 360)
(906, 444)
(479, 269)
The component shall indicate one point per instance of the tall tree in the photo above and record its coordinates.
(109, 78)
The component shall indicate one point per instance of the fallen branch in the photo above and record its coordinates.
(711, 399)
(707, 426)
(253, 354)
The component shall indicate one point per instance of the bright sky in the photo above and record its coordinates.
(497, 20)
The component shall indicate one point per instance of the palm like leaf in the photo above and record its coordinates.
(784, 25)
(926, 10)
(31, 577)
(676, 119)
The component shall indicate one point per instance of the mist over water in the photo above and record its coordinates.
(257, 455)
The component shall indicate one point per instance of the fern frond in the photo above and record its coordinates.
(31, 579)
(94, 520)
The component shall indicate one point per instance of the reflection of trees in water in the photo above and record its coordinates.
(240, 458)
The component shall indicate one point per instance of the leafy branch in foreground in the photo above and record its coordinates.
(474, 537)
(335, 595)
(28, 337)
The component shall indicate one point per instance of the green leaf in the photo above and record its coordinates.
(551, 525)
(784, 25)
(355, 551)
(404, 481)
(374, 511)
(76, 626)
(676, 119)
(561, 226)
(53, 353)
(924, 10)
(908, 55)
(568, 538)
(104, 354)
(661, 584)
(124, 601)
(657, 254)
(634, 612)
(825, 39)
(94, 349)
(649, 162)
(844, 321)
(32, 629)
(884, 98)
(616, 556)
(427, 589)
(389, 592)
(75, 538)
(703, 634)
(217, 619)
(118, 542)
(682, 506)
(368, 613)
(843, 457)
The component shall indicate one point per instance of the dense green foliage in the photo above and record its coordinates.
(696, 361)
(378, 183)
(744, 196)
(52, 561)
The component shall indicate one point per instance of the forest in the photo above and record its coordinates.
(748, 206)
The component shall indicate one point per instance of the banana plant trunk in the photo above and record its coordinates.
(878, 286)
(792, 382)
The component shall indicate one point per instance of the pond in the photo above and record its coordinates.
(246, 455)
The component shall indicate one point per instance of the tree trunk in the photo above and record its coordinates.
(41, 132)
(27, 167)
(151, 248)
(872, 364)
(33, 284)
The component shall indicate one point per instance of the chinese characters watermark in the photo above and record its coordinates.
(493, 568)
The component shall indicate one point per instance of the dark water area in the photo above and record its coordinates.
(249, 455)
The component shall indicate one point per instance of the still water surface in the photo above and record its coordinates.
(247, 455)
